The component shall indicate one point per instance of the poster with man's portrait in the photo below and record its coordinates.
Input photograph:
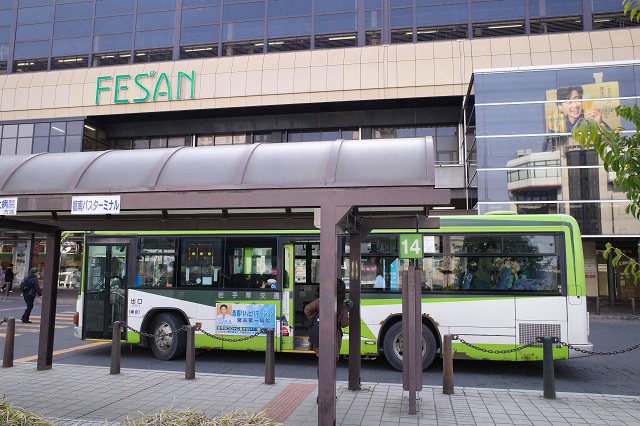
(574, 104)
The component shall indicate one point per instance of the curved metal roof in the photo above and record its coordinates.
(341, 163)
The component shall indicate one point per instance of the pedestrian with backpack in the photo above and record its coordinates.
(312, 311)
(30, 288)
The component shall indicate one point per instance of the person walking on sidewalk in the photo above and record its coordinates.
(30, 289)
(342, 318)
(8, 278)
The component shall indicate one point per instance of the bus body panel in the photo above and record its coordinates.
(491, 324)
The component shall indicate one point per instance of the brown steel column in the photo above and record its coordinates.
(411, 335)
(355, 361)
(328, 325)
(49, 296)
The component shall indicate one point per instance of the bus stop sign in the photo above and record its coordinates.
(411, 246)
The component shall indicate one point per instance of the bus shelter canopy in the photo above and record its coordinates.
(273, 180)
(355, 186)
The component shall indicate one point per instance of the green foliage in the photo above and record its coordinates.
(632, 266)
(13, 416)
(632, 7)
(619, 152)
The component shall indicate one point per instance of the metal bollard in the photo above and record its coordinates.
(447, 365)
(115, 349)
(190, 366)
(633, 306)
(9, 343)
(548, 375)
(597, 305)
(270, 360)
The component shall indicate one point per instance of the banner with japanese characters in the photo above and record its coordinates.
(95, 204)
(243, 318)
(8, 206)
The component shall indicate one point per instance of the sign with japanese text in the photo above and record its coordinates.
(95, 204)
(243, 319)
(8, 206)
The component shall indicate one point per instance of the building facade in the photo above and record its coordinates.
(86, 75)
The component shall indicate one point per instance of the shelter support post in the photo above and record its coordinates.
(411, 335)
(329, 215)
(355, 361)
(49, 297)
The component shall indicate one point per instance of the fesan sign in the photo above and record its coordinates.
(149, 86)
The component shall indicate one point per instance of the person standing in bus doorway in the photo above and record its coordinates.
(31, 289)
(342, 315)
(8, 278)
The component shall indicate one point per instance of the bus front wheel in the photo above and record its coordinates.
(393, 348)
(168, 341)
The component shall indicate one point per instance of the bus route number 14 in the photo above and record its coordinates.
(411, 246)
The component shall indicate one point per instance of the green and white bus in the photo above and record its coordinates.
(496, 281)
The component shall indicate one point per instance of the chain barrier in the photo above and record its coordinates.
(556, 341)
(261, 331)
(493, 351)
(170, 333)
(584, 351)
(198, 328)
(4, 320)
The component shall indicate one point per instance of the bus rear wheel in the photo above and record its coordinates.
(393, 347)
(167, 344)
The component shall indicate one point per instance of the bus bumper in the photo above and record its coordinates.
(584, 347)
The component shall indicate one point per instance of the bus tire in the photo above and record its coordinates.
(167, 346)
(392, 346)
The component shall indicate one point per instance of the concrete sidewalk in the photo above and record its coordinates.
(79, 395)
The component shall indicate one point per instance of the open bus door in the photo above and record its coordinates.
(105, 287)
(302, 279)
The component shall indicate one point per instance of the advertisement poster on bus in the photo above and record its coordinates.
(244, 319)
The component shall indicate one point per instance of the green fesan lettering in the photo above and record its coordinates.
(119, 87)
(156, 92)
(141, 86)
(99, 88)
(191, 78)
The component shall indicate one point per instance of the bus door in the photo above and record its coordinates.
(302, 275)
(105, 287)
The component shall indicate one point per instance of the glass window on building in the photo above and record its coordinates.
(446, 20)
(289, 44)
(153, 55)
(496, 18)
(232, 139)
(122, 144)
(335, 29)
(401, 22)
(198, 51)
(551, 16)
(204, 140)
(114, 7)
(321, 135)
(373, 22)
(113, 58)
(31, 15)
(65, 62)
(445, 139)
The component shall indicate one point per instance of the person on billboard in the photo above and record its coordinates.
(575, 109)
(223, 317)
